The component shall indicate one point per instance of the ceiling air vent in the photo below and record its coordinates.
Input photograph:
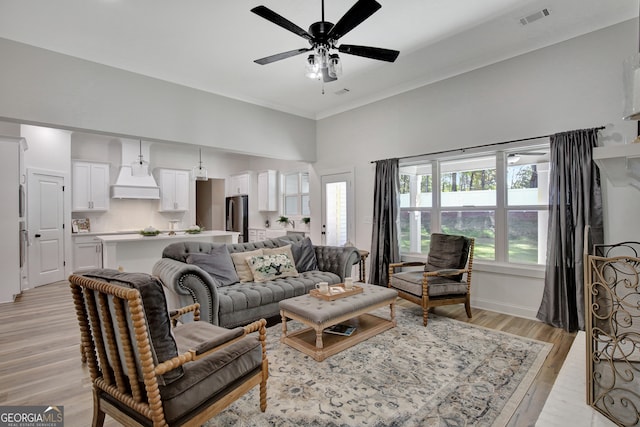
(342, 91)
(535, 16)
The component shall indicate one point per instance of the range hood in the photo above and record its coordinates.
(127, 185)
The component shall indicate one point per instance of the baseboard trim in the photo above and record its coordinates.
(499, 307)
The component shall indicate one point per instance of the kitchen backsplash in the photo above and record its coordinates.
(134, 214)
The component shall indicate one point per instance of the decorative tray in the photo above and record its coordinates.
(336, 292)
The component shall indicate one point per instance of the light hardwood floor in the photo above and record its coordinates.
(40, 356)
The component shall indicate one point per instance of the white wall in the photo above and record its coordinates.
(46, 88)
(572, 85)
(9, 129)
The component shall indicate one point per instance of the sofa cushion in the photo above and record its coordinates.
(411, 282)
(217, 263)
(211, 374)
(163, 344)
(448, 252)
(242, 267)
(270, 267)
(304, 255)
(246, 296)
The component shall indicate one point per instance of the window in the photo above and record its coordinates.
(527, 200)
(468, 202)
(500, 199)
(296, 194)
(416, 192)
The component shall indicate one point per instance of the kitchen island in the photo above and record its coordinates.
(138, 253)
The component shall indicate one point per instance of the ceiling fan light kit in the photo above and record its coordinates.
(323, 37)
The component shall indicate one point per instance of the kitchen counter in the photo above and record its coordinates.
(138, 253)
(180, 235)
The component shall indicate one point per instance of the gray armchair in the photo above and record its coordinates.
(444, 279)
(146, 372)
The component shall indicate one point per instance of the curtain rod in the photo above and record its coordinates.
(482, 146)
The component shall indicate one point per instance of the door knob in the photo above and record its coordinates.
(37, 235)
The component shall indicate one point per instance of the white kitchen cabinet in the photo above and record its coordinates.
(267, 191)
(87, 253)
(90, 191)
(239, 184)
(174, 190)
(257, 234)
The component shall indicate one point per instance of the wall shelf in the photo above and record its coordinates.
(619, 163)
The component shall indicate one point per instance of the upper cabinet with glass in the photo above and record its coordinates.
(295, 194)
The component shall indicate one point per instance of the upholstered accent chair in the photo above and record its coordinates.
(148, 369)
(444, 279)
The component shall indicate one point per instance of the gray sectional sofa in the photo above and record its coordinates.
(215, 275)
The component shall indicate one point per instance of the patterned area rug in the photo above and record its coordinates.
(447, 374)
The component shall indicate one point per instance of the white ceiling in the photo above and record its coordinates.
(210, 45)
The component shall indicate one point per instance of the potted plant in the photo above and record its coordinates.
(306, 221)
(283, 220)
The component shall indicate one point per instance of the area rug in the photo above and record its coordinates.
(447, 374)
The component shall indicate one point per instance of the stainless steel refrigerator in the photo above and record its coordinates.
(237, 216)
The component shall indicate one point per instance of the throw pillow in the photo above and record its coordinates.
(286, 250)
(270, 267)
(242, 268)
(217, 263)
(304, 255)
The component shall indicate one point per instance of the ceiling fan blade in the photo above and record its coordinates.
(527, 153)
(326, 77)
(278, 56)
(370, 52)
(270, 15)
(354, 17)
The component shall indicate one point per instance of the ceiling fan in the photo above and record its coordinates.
(515, 157)
(323, 37)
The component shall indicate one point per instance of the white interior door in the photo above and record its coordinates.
(45, 225)
(337, 209)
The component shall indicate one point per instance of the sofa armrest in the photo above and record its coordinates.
(191, 284)
(337, 259)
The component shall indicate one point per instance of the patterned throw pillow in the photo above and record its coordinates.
(270, 267)
(286, 250)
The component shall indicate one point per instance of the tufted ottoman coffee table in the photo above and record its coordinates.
(320, 314)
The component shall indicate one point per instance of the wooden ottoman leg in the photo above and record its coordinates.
(392, 306)
(319, 344)
(284, 325)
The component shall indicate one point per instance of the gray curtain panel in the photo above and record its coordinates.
(575, 201)
(385, 248)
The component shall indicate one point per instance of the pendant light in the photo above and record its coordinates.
(140, 167)
(200, 173)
